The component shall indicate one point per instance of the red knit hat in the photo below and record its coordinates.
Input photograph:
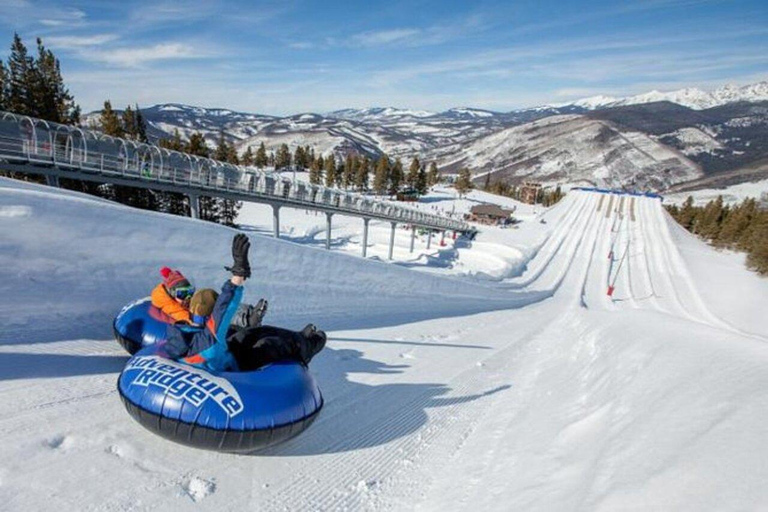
(173, 279)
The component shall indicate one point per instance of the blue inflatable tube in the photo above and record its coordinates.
(226, 411)
(140, 324)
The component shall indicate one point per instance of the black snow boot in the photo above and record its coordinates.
(256, 313)
(313, 341)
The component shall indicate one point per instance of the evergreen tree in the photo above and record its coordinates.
(396, 177)
(141, 127)
(283, 157)
(412, 178)
(310, 152)
(316, 171)
(130, 126)
(299, 158)
(53, 102)
(247, 159)
(197, 146)
(3, 86)
(757, 259)
(261, 159)
(421, 181)
(174, 143)
(464, 182)
(226, 209)
(110, 122)
(361, 175)
(711, 218)
(381, 175)
(21, 79)
(330, 170)
(434, 175)
(688, 214)
(349, 171)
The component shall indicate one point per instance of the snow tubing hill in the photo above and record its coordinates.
(225, 411)
(140, 324)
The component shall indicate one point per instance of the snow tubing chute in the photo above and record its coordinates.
(226, 411)
(140, 324)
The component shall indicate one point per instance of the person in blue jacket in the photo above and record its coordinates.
(221, 347)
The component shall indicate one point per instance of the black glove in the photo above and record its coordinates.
(240, 267)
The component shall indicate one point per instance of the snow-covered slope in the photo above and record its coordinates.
(690, 97)
(574, 150)
(652, 399)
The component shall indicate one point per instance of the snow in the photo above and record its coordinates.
(731, 195)
(526, 389)
(695, 141)
(690, 97)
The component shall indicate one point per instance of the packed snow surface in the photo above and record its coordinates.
(527, 388)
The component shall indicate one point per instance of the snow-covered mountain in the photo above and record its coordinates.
(708, 128)
(690, 97)
(573, 149)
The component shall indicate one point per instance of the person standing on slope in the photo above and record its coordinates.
(220, 348)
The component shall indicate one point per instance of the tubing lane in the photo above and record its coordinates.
(553, 246)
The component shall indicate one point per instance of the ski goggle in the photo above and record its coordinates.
(184, 292)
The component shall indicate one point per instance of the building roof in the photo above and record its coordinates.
(491, 210)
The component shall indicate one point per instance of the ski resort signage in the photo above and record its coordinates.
(185, 383)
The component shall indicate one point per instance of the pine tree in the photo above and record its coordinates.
(141, 127)
(247, 159)
(711, 218)
(283, 157)
(316, 171)
(396, 176)
(349, 170)
(299, 158)
(464, 182)
(330, 171)
(361, 175)
(757, 259)
(381, 175)
(421, 181)
(21, 79)
(688, 214)
(261, 159)
(434, 175)
(130, 129)
(110, 122)
(413, 173)
(53, 100)
(3, 86)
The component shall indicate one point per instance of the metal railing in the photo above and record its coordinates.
(39, 146)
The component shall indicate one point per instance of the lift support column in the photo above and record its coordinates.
(328, 217)
(429, 238)
(365, 236)
(413, 236)
(392, 240)
(53, 181)
(276, 220)
(194, 206)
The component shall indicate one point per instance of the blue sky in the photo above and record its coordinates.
(295, 56)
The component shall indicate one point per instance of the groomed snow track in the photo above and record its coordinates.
(572, 399)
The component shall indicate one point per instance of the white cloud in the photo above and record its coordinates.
(73, 42)
(131, 57)
(301, 45)
(382, 37)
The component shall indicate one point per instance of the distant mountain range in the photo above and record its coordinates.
(690, 97)
(652, 140)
